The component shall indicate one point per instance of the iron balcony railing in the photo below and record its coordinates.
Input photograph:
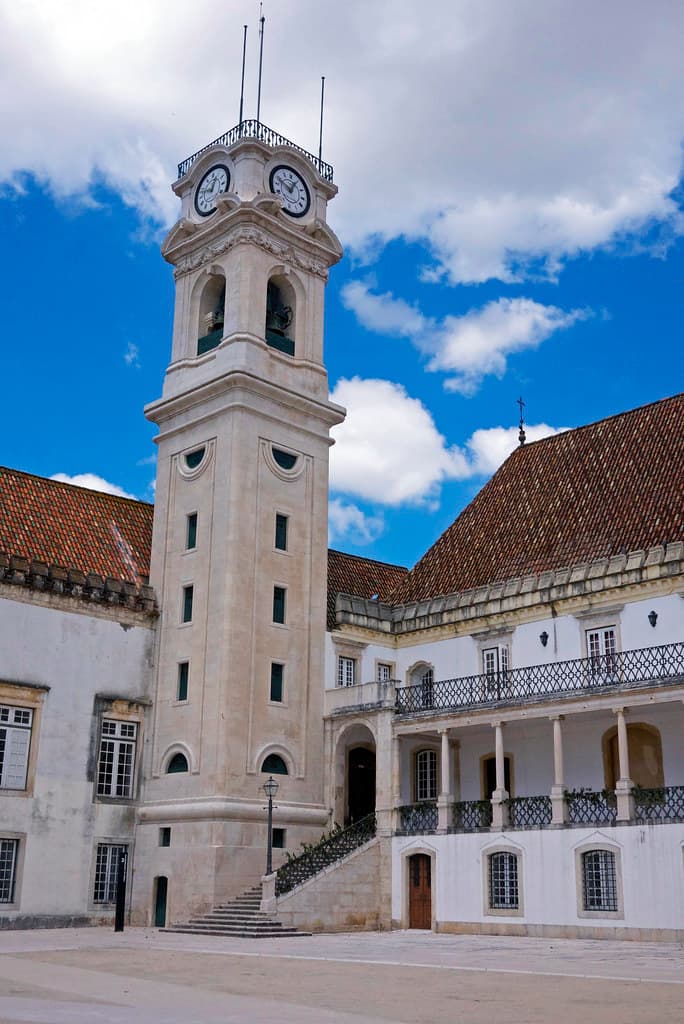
(256, 130)
(417, 818)
(327, 851)
(664, 804)
(648, 665)
(471, 815)
(529, 811)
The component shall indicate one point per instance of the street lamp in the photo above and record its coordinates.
(270, 788)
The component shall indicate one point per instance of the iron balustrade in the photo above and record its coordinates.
(586, 807)
(327, 851)
(647, 665)
(252, 129)
(417, 818)
(529, 811)
(663, 804)
(471, 815)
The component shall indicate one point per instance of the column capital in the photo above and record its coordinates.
(621, 710)
(556, 718)
(497, 725)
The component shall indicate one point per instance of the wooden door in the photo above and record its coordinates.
(420, 891)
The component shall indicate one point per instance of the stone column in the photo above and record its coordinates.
(500, 794)
(396, 781)
(624, 785)
(446, 796)
(558, 804)
(384, 770)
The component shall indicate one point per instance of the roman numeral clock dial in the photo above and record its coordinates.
(291, 188)
(214, 182)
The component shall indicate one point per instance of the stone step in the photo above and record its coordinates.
(247, 933)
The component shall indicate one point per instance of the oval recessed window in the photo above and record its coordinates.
(193, 459)
(286, 460)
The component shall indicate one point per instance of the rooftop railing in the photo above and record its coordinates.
(643, 667)
(256, 130)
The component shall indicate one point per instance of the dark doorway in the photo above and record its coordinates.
(420, 891)
(360, 783)
(489, 779)
(161, 889)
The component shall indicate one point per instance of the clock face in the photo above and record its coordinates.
(214, 182)
(291, 188)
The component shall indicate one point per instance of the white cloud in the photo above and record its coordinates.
(507, 137)
(347, 522)
(389, 452)
(131, 355)
(471, 346)
(92, 482)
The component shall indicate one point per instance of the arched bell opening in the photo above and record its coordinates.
(212, 311)
(280, 315)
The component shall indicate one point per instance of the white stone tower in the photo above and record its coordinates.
(239, 559)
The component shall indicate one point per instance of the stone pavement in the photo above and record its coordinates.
(94, 976)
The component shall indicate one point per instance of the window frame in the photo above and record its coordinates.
(346, 672)
(118, 740)
(601, 648)
(273, 771)
(282, 520)
(391, 670)
(184, 620)
(14, 732)
(516, 855)
(597, 913)
(18, 842)
(106, 904)
(183, 679)
(426, 782)
(277, 700)
(278, 589)
(191, 528)
(280, 833)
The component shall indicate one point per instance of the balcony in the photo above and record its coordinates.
(648, 666)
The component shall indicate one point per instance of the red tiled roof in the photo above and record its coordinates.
(362, 577)
(610, 487)
(74, 527)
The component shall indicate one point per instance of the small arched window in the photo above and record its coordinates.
(274, 765)
(211, 314)
(426, 775)
(280, 315)
(178, 763)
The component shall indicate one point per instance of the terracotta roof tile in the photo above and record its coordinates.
(362, 577)
(610, 487)
(71, 526)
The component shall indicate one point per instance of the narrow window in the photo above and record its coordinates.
(602, 651)
(279, 604)
(191, 531)
(274, 765)
(426, 775)
(281, 532)
(276, 682)
(346, 671)
(106, 870)
(183, 673)
(384, 672)
(599, 880)
(165, 836)
(278, 838)
(503, 881)
(8, 868)
(15, 741)
(188, 593)
(116, 762)
(177, 764)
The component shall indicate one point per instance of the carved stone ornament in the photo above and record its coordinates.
(284, 251)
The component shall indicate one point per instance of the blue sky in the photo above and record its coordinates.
(509, 201)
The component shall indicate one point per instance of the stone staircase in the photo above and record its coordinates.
(241, 917)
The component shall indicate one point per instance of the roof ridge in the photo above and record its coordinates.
(78, 487)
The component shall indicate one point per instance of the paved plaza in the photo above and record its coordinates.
(94, 976)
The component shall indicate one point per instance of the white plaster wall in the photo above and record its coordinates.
(77, 656)
(652, 858)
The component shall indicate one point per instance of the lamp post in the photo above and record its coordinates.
(270, 788)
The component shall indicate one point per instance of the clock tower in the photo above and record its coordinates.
(239, 554)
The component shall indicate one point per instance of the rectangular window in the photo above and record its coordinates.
(278, 838)
(15, 741)
(279, 604)
(183, 674)
(503, 881)
(495, 664)
(191, 531)
(281, 532)
(384, 672)
(116, 762)
(165, 836)
(602, 651)
(346, 671)
(188, 594)
(599, 881)
(426, 775)
(276, 694)
(106, 869)
(8, 869)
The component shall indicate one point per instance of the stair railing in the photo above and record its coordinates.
(326, 852)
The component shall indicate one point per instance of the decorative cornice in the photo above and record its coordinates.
(18, 571)
(252, 235)
(522, 592)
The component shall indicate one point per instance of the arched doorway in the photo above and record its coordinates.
(420, 891)
(161, 887)
(645, 756)
(360, 783)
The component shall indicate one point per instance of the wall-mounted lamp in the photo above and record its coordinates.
(544, 637)
(653, 618)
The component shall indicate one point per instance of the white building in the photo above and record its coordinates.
(498, 731)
